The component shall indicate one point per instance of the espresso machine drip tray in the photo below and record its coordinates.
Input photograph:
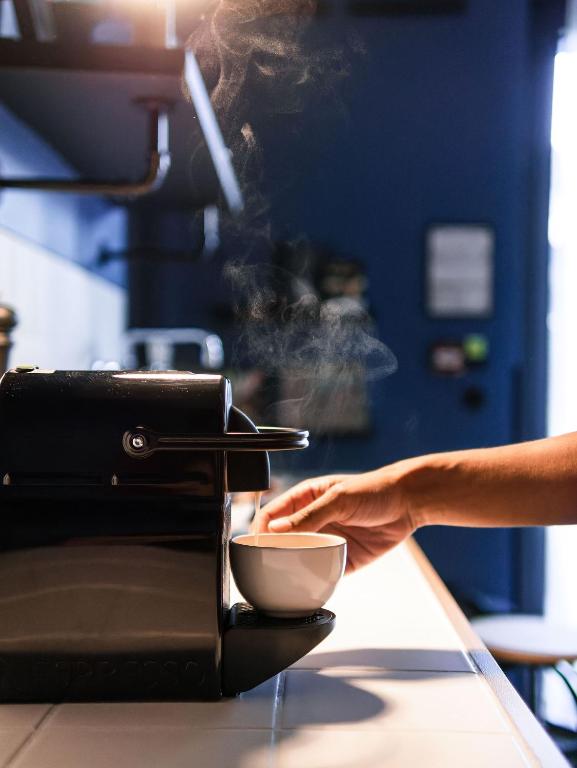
(257, 647)
(244, 615)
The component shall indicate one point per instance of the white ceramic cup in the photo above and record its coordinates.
(287, 574)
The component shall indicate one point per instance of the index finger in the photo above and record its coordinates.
(287, 503)
(291, 501)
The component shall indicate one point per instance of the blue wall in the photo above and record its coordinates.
(436, 132)
(71, 226)
(432, 126)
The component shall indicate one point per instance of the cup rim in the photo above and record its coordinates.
(331, 540)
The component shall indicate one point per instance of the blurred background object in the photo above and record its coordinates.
(7, 324)
(166, 349)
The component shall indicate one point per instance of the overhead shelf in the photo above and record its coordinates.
(81, 97)
(113, 59)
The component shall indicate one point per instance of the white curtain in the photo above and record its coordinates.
(562, 321)
(561, 577)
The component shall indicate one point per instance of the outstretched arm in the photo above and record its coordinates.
(532, 483)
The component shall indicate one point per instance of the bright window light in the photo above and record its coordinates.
(562, 321)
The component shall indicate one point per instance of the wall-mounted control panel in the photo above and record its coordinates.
(455, 357)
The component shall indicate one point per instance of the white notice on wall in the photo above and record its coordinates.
(460, 271)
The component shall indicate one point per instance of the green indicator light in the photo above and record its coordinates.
(476, 348)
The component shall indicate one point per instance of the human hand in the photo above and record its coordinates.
(369, 510)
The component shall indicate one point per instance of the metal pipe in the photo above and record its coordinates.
(219, 152)
(158, 166)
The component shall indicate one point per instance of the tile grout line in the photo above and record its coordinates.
(393, 670)
(39, 725)
(337, 727)
(277, 707)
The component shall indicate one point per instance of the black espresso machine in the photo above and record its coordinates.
(114, 531)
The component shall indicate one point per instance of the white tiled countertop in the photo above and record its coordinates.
(402, 681)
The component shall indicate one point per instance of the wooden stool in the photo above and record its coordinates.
(527, 641)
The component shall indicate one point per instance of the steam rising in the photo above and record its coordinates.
(256, 60)
(257, 64)
(307, 335)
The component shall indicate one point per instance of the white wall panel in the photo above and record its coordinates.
(67, 316)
